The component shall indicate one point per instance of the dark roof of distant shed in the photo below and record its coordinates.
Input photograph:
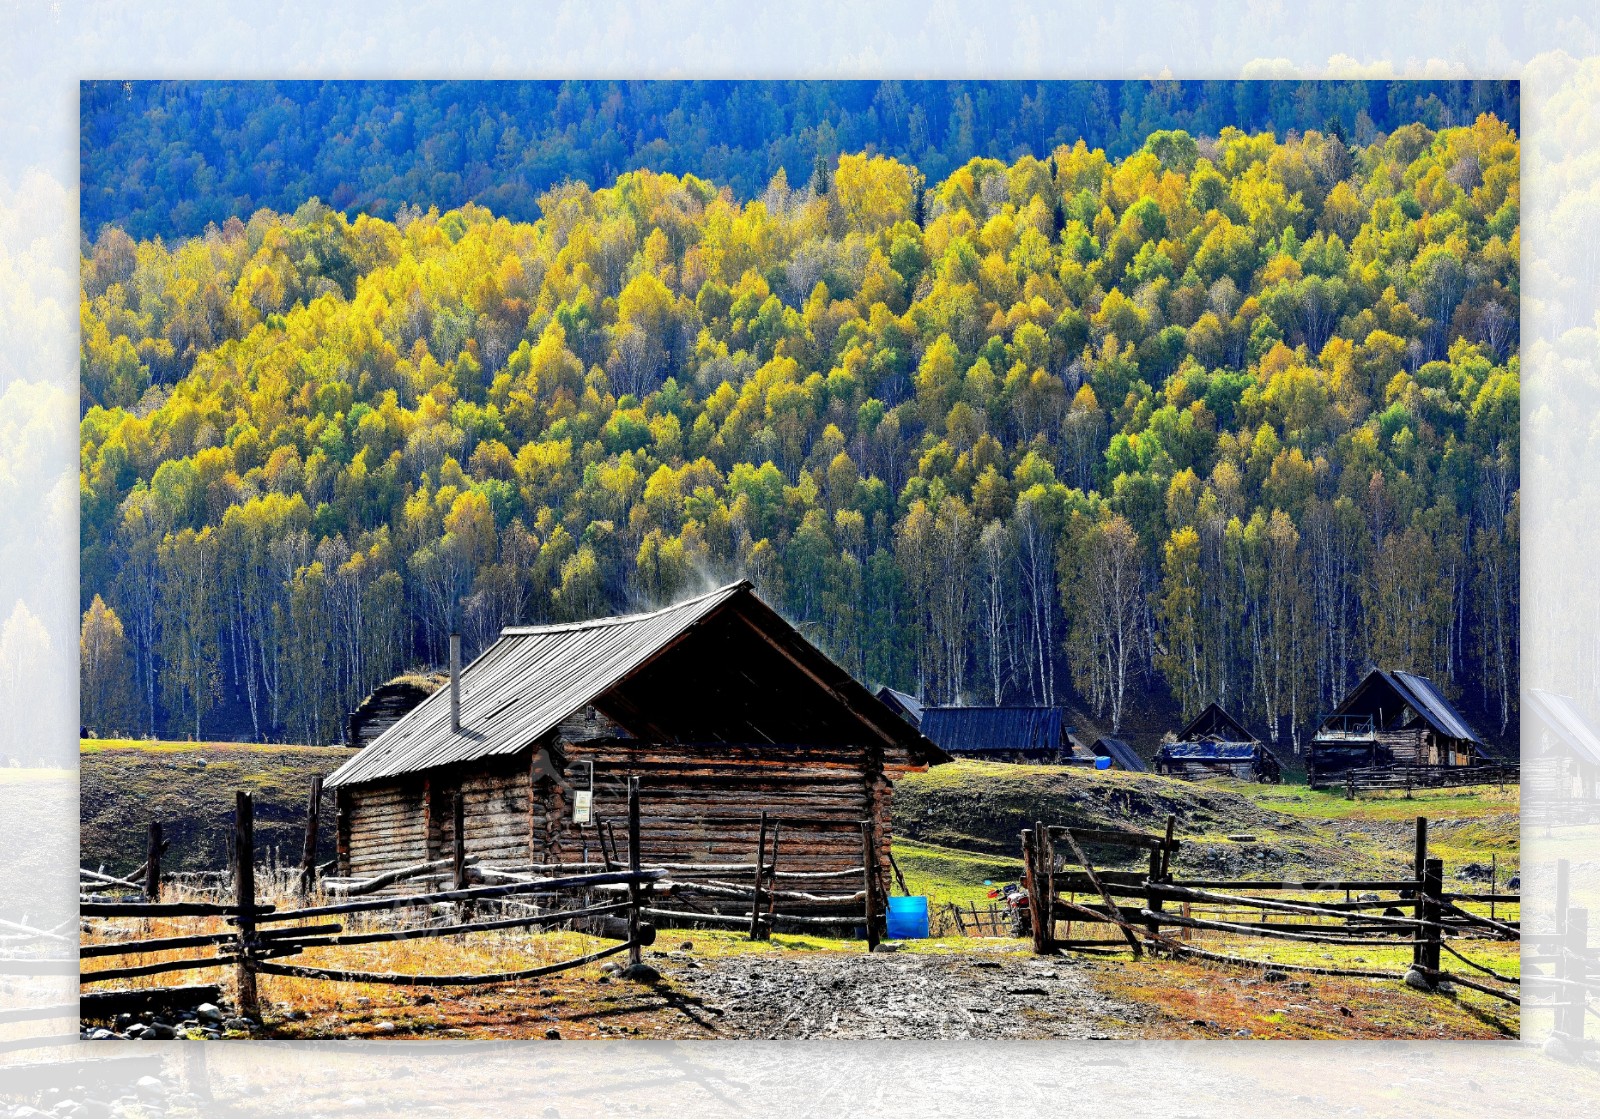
(994, 729)
(533, 677)
(903, 703)
(1212, 750)
(1119, 752)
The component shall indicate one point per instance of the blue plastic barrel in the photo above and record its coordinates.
(1101, 762)
(908, 916)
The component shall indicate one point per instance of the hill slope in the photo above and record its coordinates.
(983, 807)
(124, 785)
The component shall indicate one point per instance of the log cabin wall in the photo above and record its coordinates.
(832, 786)
(494, 813)
(701, 803)
(385, 827)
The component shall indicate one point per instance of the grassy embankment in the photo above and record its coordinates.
(124, 784)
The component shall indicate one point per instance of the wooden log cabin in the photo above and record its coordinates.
(720, 708)
(1392, 719)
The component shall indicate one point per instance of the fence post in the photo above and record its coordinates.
(1574, 970)
(1152, 894)
(1418, 870)
(1432, 911)
(634, 954)
(1041, 895)
(1044, 926)
(772, 881)
(458, 853)
(152, 863)
(869, 865)
(244, 885)
(755, 891)
(1028, 877)
(308, 854)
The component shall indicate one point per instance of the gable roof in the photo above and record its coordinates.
(994, 729)
(533, 677)
(902, 703)
(1420, 695)
(1214, 722)
(1119, 752)
(1561, 715)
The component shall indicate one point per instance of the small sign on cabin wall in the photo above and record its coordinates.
(582, 806)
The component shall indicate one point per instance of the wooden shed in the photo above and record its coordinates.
(1014, 734)
(1392, 718)
(1215, 744)
(387, 703)
(720, 708)
(902, 704)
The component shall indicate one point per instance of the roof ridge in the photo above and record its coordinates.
(619, 619)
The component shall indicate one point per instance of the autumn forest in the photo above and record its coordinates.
(1232, 416)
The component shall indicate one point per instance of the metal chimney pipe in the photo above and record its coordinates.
(455, 683)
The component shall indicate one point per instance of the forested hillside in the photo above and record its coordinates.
(165, 158)
(1229, 417)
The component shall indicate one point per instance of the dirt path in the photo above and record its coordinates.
(903, 995)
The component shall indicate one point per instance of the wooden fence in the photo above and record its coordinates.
(1410, 778)
(263, 937)
(993, 921)
(771, 897)
(1564, 971)
(1419, 913)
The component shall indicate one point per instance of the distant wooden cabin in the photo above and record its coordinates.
(902, 704)
(1215, 745)
(1121, 754)
(1561, 761)
(1392, 718)
(1002, 734)
(716, 704)
(387, 703)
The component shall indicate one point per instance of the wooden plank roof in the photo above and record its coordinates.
(533, 677)
(1120, 752)
(994, 729)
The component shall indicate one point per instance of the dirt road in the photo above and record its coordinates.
(902, 995)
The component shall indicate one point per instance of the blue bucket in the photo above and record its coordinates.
(1101, 762)
(908, 916)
